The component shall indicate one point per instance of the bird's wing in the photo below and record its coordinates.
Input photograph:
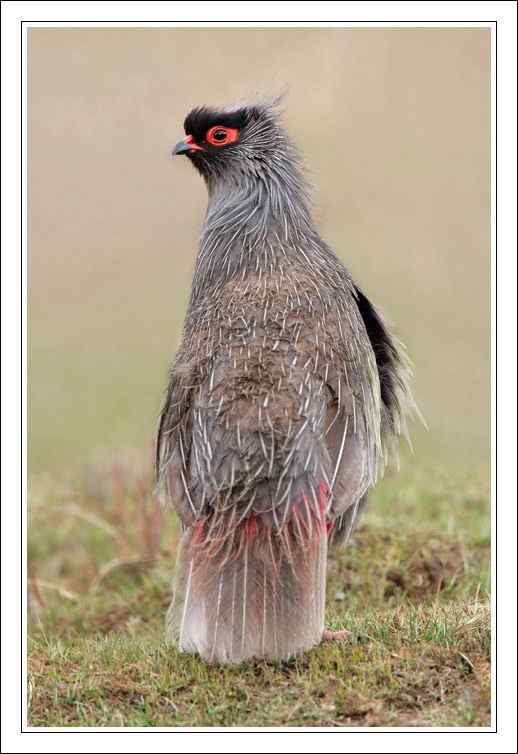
(372, 401)
(352, 456)
(174, 445)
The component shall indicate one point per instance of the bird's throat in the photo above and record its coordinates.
(250, 226)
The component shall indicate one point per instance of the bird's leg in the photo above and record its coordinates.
(340, 635)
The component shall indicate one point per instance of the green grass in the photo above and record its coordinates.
(412, 589)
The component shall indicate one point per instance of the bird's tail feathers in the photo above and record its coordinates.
(249, 588)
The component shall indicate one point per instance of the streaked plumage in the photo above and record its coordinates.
(284, 399)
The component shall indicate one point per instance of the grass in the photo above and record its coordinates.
(412, 588)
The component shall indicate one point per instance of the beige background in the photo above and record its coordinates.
(394, 126)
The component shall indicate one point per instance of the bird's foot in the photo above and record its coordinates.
(330, 635)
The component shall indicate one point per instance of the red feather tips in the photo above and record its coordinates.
(224, 535)
(220, 136)
(323, 497)
(251, 528)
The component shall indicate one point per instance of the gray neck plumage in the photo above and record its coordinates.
(254, 221)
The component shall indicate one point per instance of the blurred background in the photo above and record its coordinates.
(394, 127)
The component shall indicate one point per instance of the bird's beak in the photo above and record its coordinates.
(186, 145)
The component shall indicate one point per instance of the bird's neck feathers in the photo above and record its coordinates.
(254, 219)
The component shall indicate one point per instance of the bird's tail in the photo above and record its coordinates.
(249, 589)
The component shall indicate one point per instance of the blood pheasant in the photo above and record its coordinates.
(286, 394)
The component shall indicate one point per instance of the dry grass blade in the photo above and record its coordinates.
(130, 564)
(74, 510)
(37, 585)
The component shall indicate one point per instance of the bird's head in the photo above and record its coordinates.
(235, 143)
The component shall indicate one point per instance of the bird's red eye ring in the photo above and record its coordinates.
(221, 135)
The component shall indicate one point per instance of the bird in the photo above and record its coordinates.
(286, 398)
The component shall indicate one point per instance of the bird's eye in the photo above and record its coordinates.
(220, 135)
